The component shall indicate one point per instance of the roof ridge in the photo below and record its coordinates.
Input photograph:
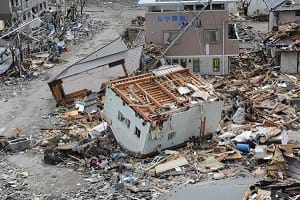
(283, 1)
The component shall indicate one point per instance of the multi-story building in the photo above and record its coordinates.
(209, 43)
(21, 11)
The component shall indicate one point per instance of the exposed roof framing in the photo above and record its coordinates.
(154, 95)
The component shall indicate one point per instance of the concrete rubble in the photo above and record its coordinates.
(29, 52)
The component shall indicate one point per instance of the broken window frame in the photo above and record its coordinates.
(216, 63)
(137, 132)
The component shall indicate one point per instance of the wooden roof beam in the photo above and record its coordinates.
(148, 95)
(166, 91)
(128, 101)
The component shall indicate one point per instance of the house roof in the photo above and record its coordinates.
(282, 5)
(112, 52)
(287, 38)
(272, 3)
(167, 89)
(187, 2)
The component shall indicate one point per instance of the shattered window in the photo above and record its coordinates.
(216, 64)
(137, 132)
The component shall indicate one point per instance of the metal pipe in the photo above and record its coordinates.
(20, 27)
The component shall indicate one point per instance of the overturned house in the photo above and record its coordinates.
(161, 109)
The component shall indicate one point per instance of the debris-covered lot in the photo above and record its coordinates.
(60, 143)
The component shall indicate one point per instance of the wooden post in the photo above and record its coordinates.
(125, 69)
(202, 126)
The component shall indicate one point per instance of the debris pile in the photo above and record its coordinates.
(82, 141)
(29, 52)
(267, 98)
(282, 175)
(12, 183)
(286, 37)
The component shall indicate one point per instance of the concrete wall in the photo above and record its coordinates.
(125, 136)
(288, 63)
(206, 64)
(194, 41)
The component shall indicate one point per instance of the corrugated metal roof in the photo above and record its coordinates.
(166, 69)
(284, 42)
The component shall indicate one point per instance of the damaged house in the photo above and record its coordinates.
(282, 12)
(160, 109)
(285, 47)
(195, 34)
(21, 11)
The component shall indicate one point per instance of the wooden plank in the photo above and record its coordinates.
(167, 91)
(171, 165)
(146, 93)
(128, 101)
